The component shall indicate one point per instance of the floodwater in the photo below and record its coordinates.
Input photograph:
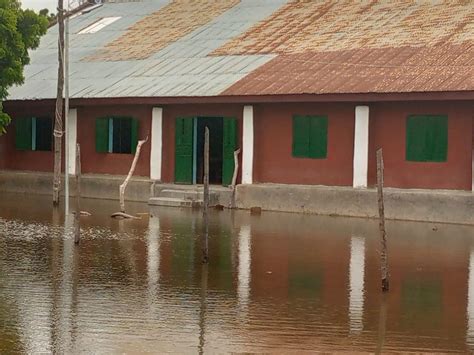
(275, 283)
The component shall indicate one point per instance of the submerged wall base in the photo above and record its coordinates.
(412, 205)
(92, 186)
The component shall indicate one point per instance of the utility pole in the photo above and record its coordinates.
(58, 124)
(66, 110)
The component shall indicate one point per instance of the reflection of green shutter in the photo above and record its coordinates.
(184, 150)
(229, 145)
(300, 136)
(23, 129)
(134, 137)
(102, 135)
(318, 133)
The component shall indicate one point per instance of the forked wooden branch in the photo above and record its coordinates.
(122, 188)
(236, 167)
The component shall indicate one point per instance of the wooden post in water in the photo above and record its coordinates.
(59, 113)
(383, 234)
(205, 247)
(77, 217)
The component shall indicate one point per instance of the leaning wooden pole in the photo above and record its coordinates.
(205, 247)
(77, 217)
(130, 174)
(58, 121)
(383, 234)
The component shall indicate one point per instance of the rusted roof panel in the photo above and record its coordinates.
(384, 70)
(313, 26)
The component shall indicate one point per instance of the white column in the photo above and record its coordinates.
(243, 285)
(247, 146)
(473, 170)
(156, 143)
(72, 140)
(361, 146)
(356, 280)
(470, 303)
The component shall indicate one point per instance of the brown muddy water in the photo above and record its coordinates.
(275, 283)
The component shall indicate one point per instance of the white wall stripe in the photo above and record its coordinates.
(361, 146)
(72, 140)
(156, 143)
(247, 146)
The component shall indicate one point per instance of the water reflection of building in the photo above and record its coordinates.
(274, 282)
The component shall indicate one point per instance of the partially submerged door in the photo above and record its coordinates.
(228, 146)
(183, 171)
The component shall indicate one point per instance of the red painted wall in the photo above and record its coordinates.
(387, 130)
(26, 160)
(169, 115)
(108, 163)
(273, 160)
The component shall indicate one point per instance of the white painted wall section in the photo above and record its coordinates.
(247, 146)
(361, 146)
(72, 140)
(356, 280)
(156, 155)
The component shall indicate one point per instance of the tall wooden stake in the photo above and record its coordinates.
(205, 248)
(77, 217)
(58, 122)
(383, 234)
(130, 174)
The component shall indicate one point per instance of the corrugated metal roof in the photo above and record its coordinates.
(255, 47)
(181, 68)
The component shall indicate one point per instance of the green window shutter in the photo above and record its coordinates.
(427, 138)
(318, 141)
(229, 145)
(184, 150)
(102, 135)
(23, 133)
(439, 139)
(301, 125)
(134, 135)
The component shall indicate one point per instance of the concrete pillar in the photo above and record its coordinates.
(247, 146)
(361, 147)
(72, 139)
(156, 155)
(243, 285)
(356, 280)
(470, 302)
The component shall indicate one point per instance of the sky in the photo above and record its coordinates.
(41, 4)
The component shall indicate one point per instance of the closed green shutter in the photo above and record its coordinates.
(427, 138)
(23, 129)
(439, 139)
(184, 150)
(229, 145)
(134, 137)
(318, 142)
(301, 136)
(102, 135)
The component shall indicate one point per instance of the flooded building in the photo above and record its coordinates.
(308, 90)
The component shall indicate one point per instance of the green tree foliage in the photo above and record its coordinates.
(50, 16)
(20, 30)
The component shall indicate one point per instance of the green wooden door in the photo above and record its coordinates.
(183, 169)
(229, 145)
